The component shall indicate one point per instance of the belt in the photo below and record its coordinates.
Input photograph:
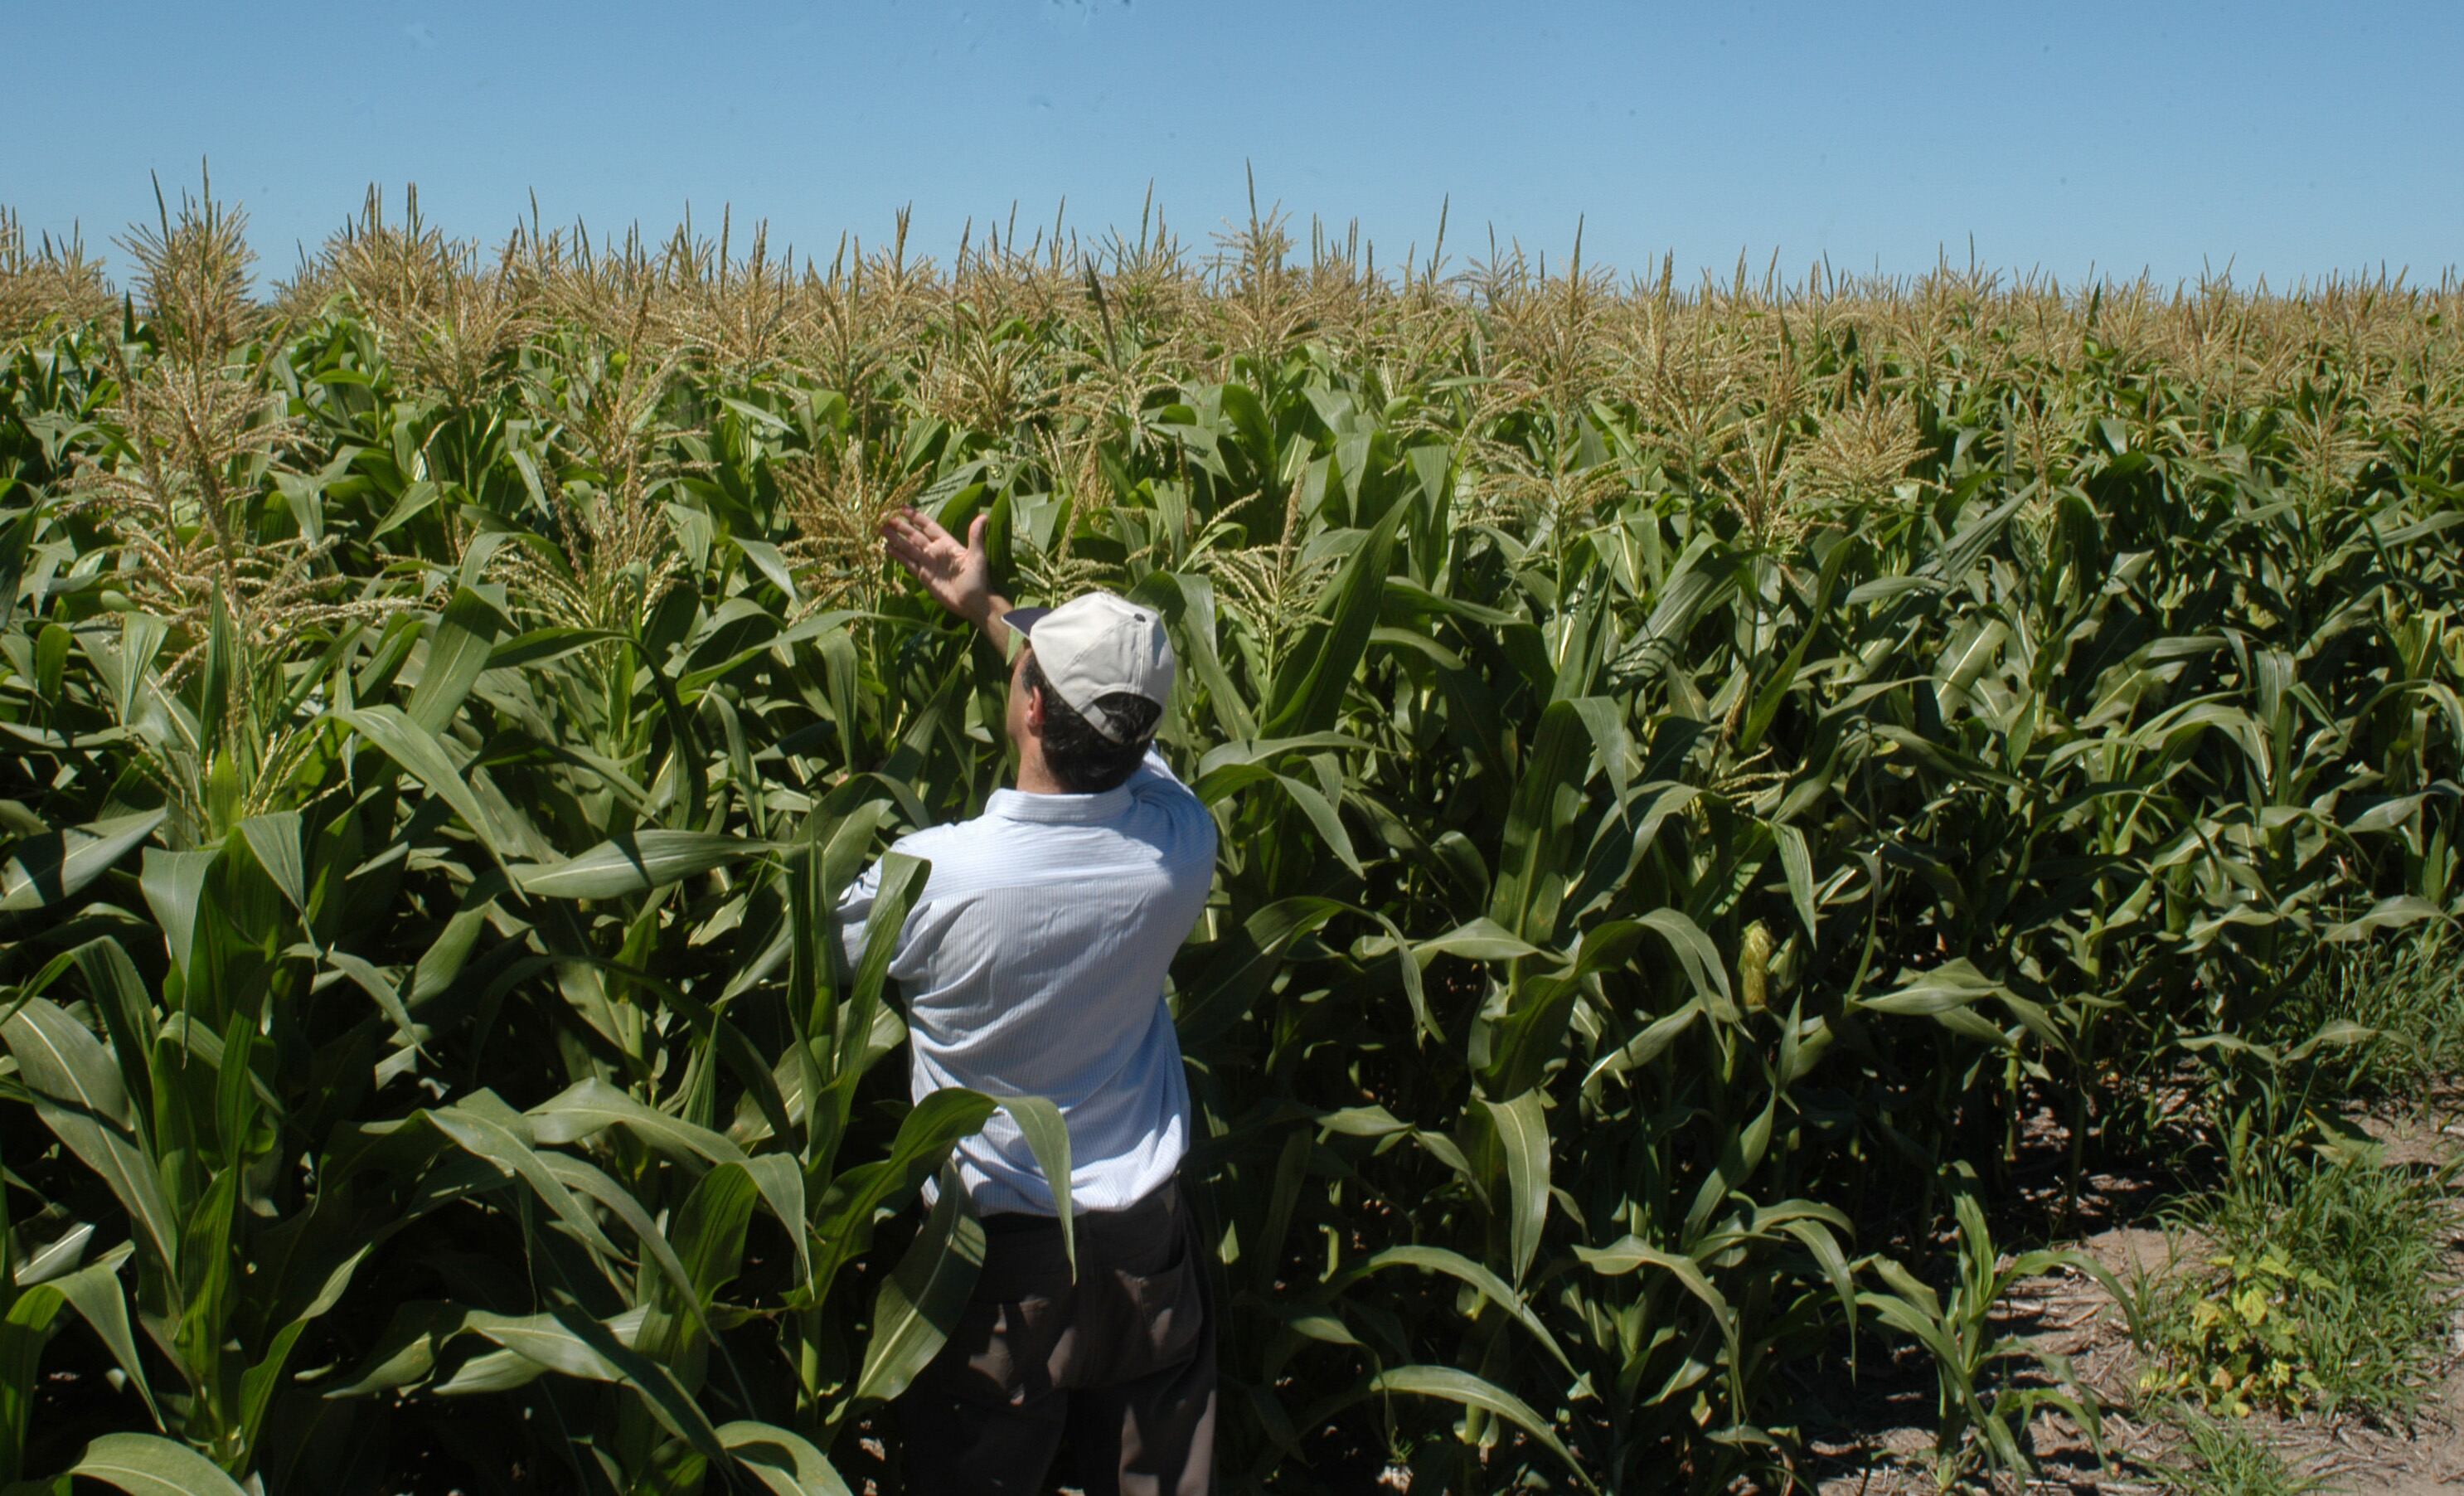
(1158, 1206)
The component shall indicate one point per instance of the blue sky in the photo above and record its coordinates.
(2293, 140)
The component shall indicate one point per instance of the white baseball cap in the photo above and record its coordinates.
(1094, 645)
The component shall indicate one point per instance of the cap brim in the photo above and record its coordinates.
(1023, 619)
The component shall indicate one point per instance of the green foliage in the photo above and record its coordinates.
(2328, 1290)
(2362, 1272)
(2237, 1342)
(1694, 773)
(2232, 1460)
(2407, 997)
(1981, 1411)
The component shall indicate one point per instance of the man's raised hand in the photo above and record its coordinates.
(957, 575)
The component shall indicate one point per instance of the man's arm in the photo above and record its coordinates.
(956, 575)
(851, 921)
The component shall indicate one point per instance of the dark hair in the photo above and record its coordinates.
(1084, 760)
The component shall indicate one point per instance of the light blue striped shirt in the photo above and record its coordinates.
(1033, 965)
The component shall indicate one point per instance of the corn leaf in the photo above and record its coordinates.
(48, 870)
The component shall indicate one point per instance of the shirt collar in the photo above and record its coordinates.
(1012, 805)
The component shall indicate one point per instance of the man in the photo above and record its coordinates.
(1033, 965)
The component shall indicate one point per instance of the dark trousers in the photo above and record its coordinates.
(1122, 1364)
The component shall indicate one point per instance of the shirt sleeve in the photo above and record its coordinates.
(851, 919)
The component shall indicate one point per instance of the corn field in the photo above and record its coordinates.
(1709, 776)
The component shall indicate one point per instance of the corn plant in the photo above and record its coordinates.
(1981, 1416)
(1697, 770)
